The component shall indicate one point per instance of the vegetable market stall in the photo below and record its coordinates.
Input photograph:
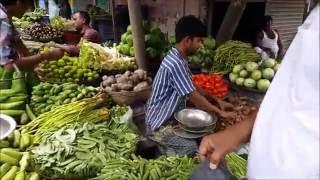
(76, 122)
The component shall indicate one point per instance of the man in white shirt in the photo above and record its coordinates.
(285, 137)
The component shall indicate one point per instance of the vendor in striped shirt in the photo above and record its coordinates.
(173, 84)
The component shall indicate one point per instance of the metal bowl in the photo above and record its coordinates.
(195, 119)
(7, 125)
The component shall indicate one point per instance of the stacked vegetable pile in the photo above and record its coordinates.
(62, 24)
(92, 110)
(82, 150)
(14, 96)
(253, 76)
(232, 53)
(205, 55)
(46, 96)
(168, 168)
(129, 81)
(119, 63)
(42, 32)
(237, 165)
(92, 55)
(15, 165)
(64, 70)
(243, 108)
(14, 162)
(154, 40)
(213, 84)
(28, 18)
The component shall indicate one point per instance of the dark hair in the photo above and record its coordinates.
(189, 26)
(267, 19)
(8, 2)
(85, 16)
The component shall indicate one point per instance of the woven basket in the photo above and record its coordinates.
(130, 97)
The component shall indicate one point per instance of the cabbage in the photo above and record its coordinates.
(258, 50)
(269, 63)
(209, 42)
(129, 40)
(233, 77)
(250, 83)
(251, 66)
(256, 75)
(243, 73)
(237, 68)
(276, 67)
(263, 85)
(264, 56)
(129, 29)
(240, 81)
(268, 73)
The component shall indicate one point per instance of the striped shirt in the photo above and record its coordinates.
(171, 86)
(8, 33)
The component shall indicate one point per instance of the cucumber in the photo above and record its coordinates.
(24, 119)
(4, 98)
(11, 105)
(13, 113)
(4, 169)
(30, 113)
(17, 98)
(6, 79)
(11, 174)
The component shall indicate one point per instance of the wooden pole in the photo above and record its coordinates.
(210, 17)
(231, 20)
(138, 33)
(113, 15)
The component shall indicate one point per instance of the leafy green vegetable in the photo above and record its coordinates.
(138, 168)
(83, 150)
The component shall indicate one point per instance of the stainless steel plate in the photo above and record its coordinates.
(7, 125)
(182, 133)
(195, 118)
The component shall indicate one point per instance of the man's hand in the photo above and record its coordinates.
(215, 146)
(226, 114)
(225, 105)
(53, 54)
(50, 44)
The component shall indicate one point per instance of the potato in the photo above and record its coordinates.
(108, 89)
(125, 86)
(140, 73)
(115, 87)
(141, 86)
(122, 79)
(110, 80)
(135, 78)
(149, 80)
(104, 77)
(127, 73)
(105, 83)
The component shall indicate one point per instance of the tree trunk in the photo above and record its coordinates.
(231, 20)
(138, 33)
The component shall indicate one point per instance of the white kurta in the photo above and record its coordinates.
(285, 139)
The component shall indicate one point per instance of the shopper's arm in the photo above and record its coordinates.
(21, 48)
(29, 62)
(71, 49)
(215, 146)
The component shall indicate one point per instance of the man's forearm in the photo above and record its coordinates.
(29, 62)
(71, 49)
(242, 131)
(201, 102)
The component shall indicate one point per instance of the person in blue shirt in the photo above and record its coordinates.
(173, 82)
